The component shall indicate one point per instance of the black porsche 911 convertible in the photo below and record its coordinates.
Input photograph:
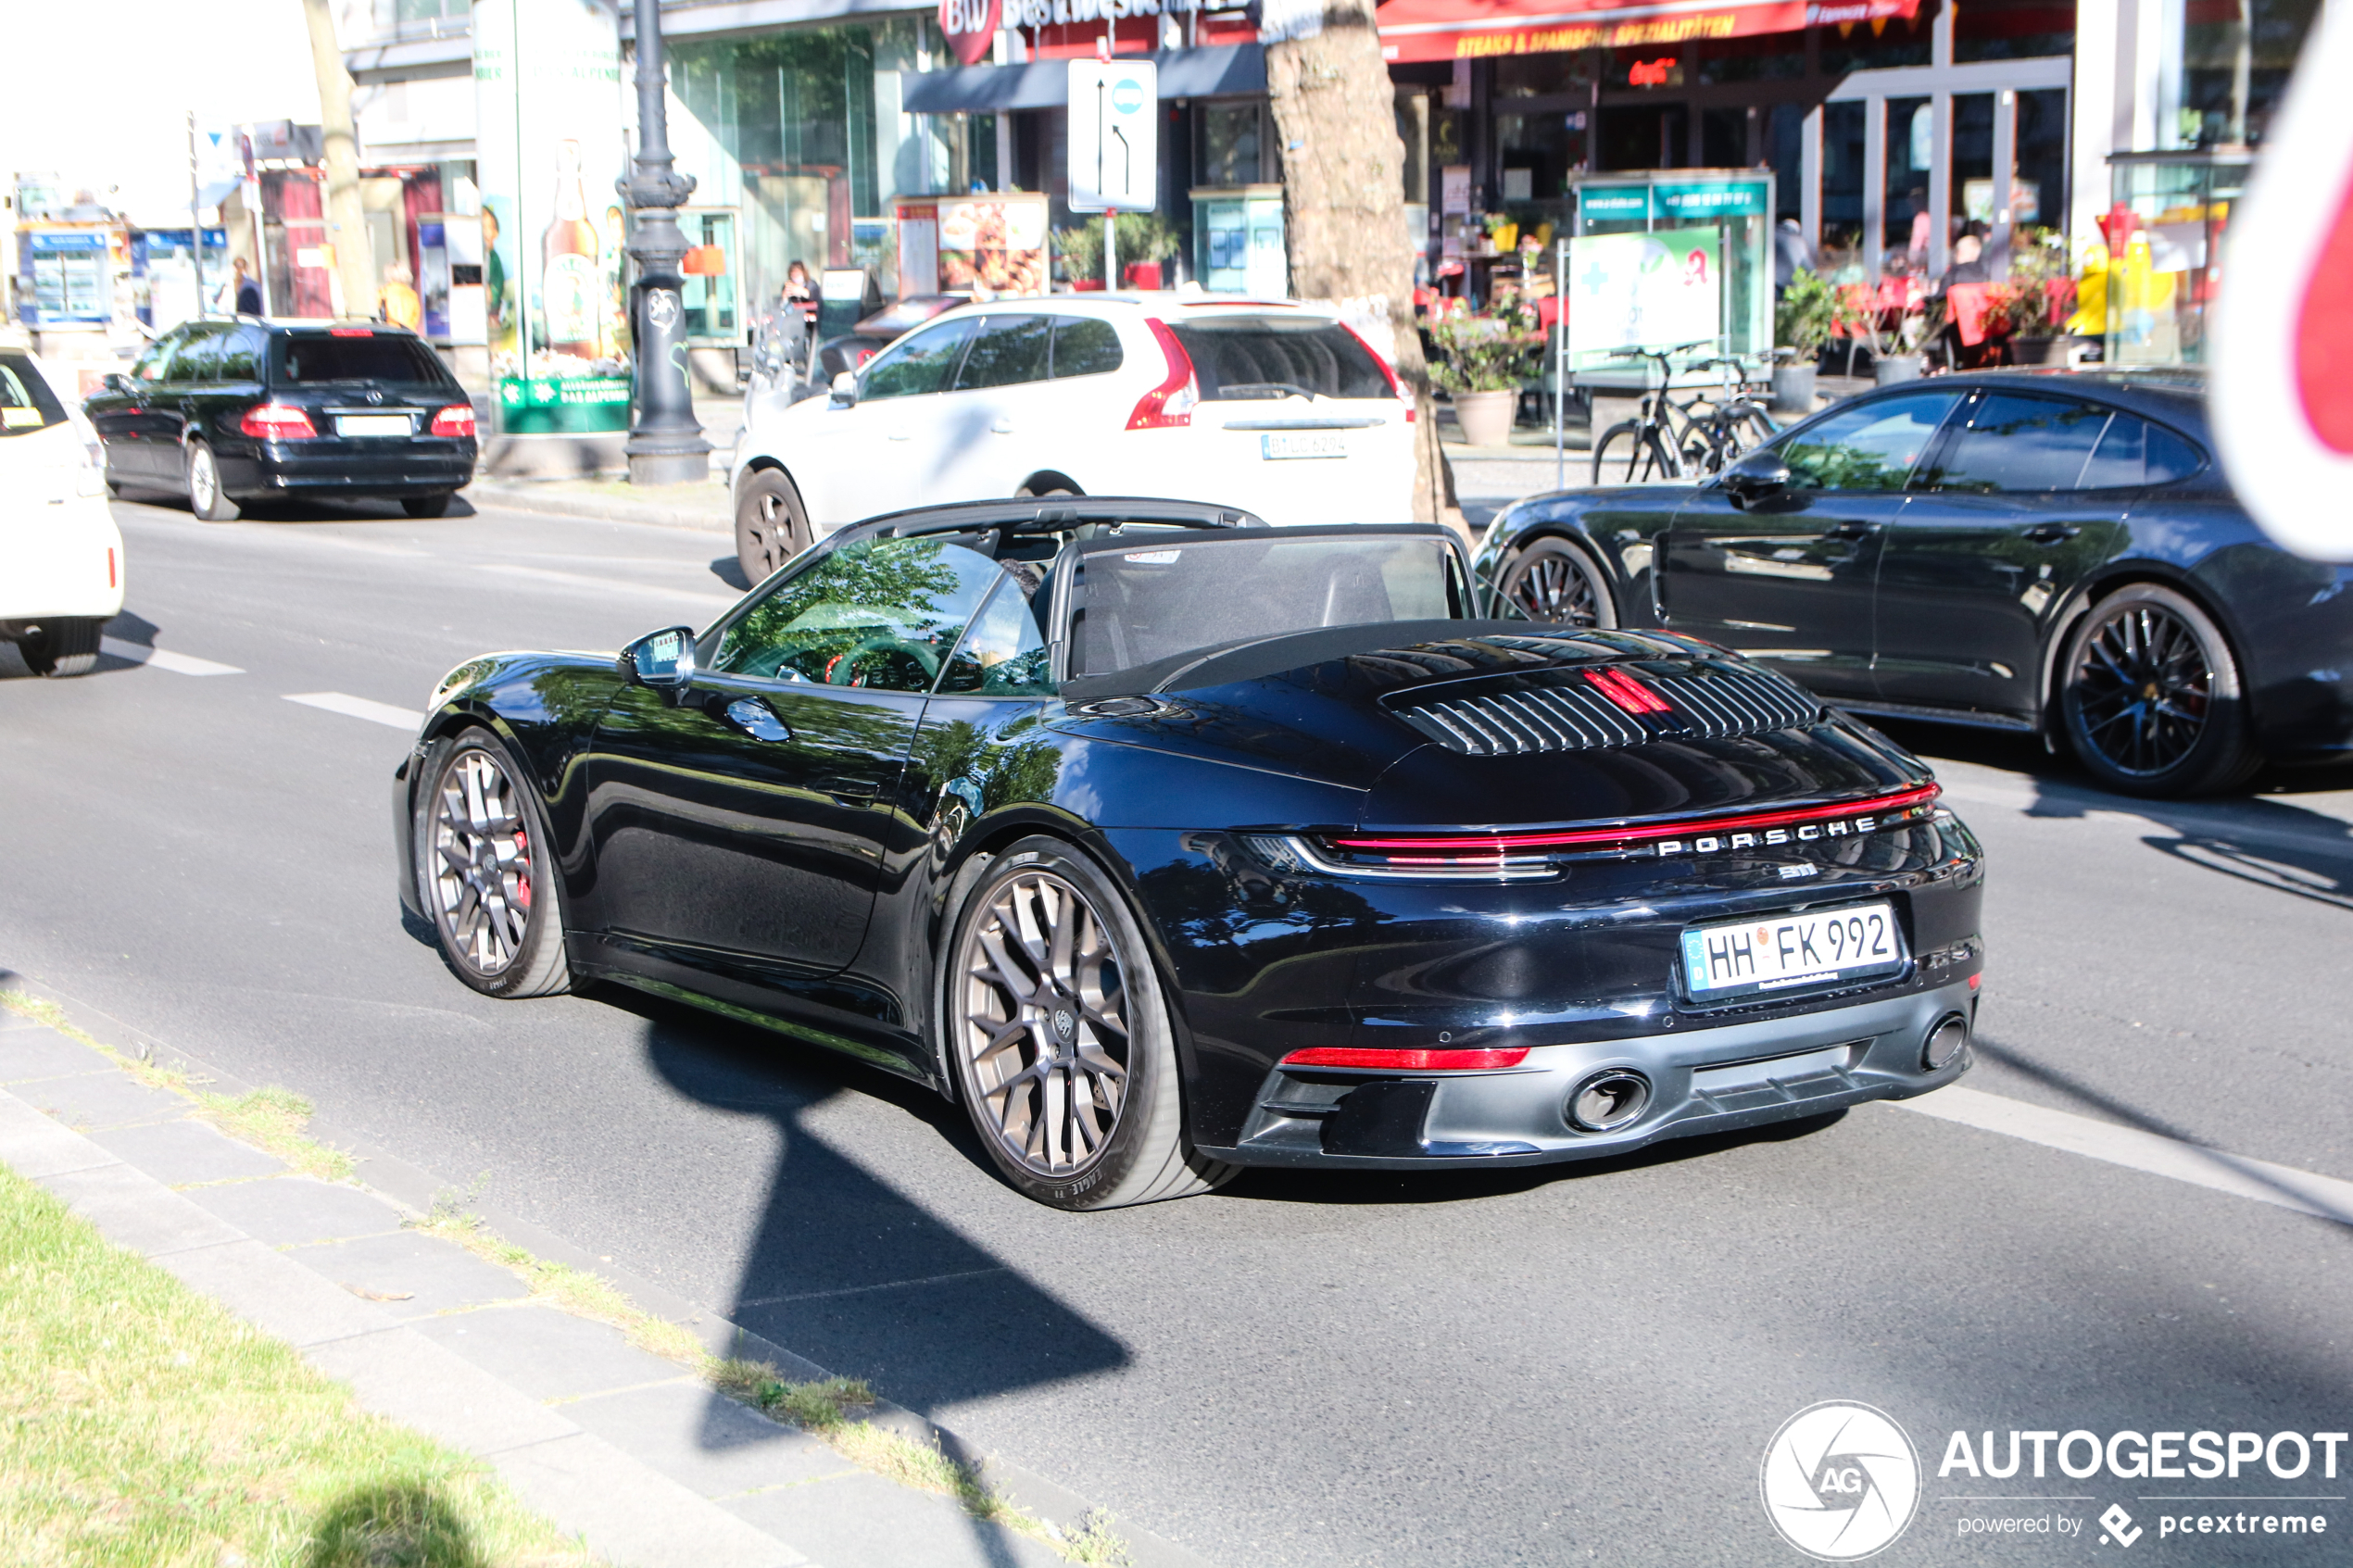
(1170, 843)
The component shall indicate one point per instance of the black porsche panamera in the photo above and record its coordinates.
(2051, 552)
(1170, 844)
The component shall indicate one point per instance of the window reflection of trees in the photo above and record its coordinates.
(895, 607)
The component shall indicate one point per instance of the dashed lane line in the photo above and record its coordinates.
(164, 658)
(2326, 1198)
(360, 707)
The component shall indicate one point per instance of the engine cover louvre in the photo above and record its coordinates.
(1573, 710)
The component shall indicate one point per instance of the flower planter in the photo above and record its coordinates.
(1793, 388)
(1893, 367)
(1486, 417)
(1143, 275)
(2039, 350)
(1086, 285)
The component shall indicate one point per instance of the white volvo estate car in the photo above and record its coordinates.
(1274, 408)
(61, 565)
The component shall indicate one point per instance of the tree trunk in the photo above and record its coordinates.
(1344, 195)
(346, 223)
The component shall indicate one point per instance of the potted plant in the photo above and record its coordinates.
(2042, 297)
(1481, 363)
(1802, 319)
(1081, 251)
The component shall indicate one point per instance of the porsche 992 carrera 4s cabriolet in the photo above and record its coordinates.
(1170, 844)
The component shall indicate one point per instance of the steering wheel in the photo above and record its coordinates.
(843, 669)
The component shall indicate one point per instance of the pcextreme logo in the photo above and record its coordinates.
(1841, 1481)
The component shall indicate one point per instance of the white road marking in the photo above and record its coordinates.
(2324, 1197)
(164, 658)
(360, 707)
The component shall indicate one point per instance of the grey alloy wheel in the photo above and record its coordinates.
(1044, 1023)
(205, 497)
(486, 877)
(1554, 582)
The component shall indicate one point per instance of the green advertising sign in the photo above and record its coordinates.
(1719, 198)
(1655, 291)
(548, 104)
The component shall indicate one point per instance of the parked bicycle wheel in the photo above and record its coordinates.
(1629, 453)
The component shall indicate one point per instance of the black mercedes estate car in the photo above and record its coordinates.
(247, 410)
(2049, 552)
(1170, 844)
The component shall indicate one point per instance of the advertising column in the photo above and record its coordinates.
(547, 97)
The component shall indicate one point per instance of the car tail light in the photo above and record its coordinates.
(1171, 403)
(351, 332)
(276, 421)
(110, 577)
(1627, 694)
(1409, 1060)
(1396, 388)
(456, 419)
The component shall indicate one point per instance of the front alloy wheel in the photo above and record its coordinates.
(1060, 1038)
(2151, 702)
(485, 875)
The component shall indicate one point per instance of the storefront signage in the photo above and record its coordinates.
(1655, 291)
(1451, 29)
(548, 100)
(2282, 402)
(969, 26)
(1686, 203)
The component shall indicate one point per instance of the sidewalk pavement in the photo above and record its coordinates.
(652, 1467)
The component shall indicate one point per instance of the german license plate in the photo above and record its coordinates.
(1786, 952)
(1277, 443)
(371, 424)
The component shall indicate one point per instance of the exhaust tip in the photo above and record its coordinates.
(1612, 1098)
(1944, 1042)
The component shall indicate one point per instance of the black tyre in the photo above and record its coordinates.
(1058, 1033)
(485, 871)
(771, 526)
(2149, 696)
(205, 497)
(1554, 581)
(427, 506)
(66, 646)
(1627, 454)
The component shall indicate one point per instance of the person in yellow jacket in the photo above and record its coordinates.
(400, 304)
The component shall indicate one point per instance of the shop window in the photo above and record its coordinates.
(1544, 76)
(1968, 200)
(1233, 138)
(1644, 136)
(1765, 57)
(2012, 30)
(2038, 185)
(1785, 151)
(1852, 46)
(1906, 229)
(1536, 149)
(1723, 138)
(1842, 244)
(2220, 51)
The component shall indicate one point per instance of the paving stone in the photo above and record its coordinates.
(31, 1051)
(270, 1290)
(177, 1153)
(862, 1521)
(630, 1515)
(112, 1098)
(292, 1211)
(412, 1275)
(705, 1440)
(33, 1146)
(131, 1208)
(547, 1354)
(399, 1372)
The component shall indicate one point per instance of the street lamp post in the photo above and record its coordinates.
(665, 441)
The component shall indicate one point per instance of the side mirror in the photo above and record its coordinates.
(1758, 476)
(846, 389)
(116, 382)
(662, 661)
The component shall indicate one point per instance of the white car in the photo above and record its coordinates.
(1271, 407)
(62, 562)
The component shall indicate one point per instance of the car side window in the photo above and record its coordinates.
(1084, 346)
(241, 357)
(919, 362)
(1871, 447)
(2017, 443)
(879, 613)
(1009, 351)
(1004, 653)
(2134, 452)
(157, 359)
(198, 360)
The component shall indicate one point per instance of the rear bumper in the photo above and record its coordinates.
(315, 469)
(1700, 1081)
(70, 562)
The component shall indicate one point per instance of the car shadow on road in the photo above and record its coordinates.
(730, 570)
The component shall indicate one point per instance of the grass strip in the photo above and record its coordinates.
(141, 1423)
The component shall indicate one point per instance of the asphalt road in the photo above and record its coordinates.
(1566, 1366)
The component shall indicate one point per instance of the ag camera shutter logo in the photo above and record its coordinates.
(1841, 1481)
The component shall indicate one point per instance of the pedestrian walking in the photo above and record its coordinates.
(400, 304)
(248, 302)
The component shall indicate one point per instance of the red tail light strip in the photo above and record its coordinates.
(1171, 403)
(1409, 1060)
(1628, 694)
(1397, 389)
(277, 421)
(1645, 833)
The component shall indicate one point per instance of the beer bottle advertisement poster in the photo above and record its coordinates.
(548, 98)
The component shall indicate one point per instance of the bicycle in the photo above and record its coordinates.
(1669, 440)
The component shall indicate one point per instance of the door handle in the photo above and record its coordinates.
(1850, 530)
(757, 719)
(2051, 532)
(1001, 427)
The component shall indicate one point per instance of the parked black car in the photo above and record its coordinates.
(2051, 552)
(1170, 844)
(226, 412)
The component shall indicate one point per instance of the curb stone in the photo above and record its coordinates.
(704, 1506)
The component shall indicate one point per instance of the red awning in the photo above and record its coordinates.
(1447, 30)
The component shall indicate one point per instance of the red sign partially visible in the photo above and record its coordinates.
(969, 25)
(1448, 29)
